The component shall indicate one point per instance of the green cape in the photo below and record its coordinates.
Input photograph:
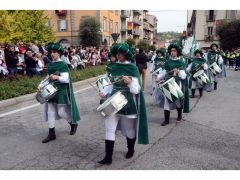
(118, 69)
(61, 67)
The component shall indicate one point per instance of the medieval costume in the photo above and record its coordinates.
(157, 65)
(63, 105)
(174, 67)
(214, 56)
(198, 63)
(132, 118)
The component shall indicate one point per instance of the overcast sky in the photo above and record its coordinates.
(170, 20)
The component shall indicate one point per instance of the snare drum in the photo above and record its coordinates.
(113, 104)
(201, 77)
(46, 93)
(171, 90)
(215, 69)
(156, 72)
(103, 82)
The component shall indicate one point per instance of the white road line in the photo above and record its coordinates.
(37, 104)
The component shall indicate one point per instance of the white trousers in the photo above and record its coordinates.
(55, 110)
(127, 125)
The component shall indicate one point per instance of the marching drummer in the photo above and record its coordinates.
(63, 105)
(158, 62)
(198, 63)
(132, 118)
(174, 67)
(214, 56)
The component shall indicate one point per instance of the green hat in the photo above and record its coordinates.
(122, 48)
(177, 47)
(55, 46)
(198, 51)
(162, 51)
(214, 44)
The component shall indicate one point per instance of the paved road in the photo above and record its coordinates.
(208, 138)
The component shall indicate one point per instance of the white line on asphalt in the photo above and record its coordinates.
(37, 104)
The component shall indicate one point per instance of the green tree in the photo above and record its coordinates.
(229, 34)
(89, 32)
(131, 42)
(143, 44)
(25, 26)
(152, 48)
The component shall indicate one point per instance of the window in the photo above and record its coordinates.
(116, 13)
(62, 25)
(211, 15)
(232, 14)
(210, 30)
(104, 24)
(111, 26)
(116, 27)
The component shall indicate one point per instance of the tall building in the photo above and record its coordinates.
(66, 24)
(203, 24)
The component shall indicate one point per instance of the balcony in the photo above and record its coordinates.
(136, 33)
(137, 22)
(209, 38)
(125, 14)
(137, 12)
(145, 18)
(61, 12)
(210, 18)
(145, 27)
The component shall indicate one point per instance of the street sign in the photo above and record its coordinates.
(115, 36)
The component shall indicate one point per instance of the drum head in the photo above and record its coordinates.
(198, 73)
(166, 82)
(105, 103)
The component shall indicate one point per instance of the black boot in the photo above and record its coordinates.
(193, 93)
(109, 151)
(73, 128)
(130, 145)
(166, 116)
(179, 110)
(201, 91)
(215, 85)
(51, 136)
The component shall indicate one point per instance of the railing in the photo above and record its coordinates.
(209, 38)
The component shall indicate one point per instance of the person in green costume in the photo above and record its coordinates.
(213, 55)
(157, 64)
(132, 118)
(198, 63)
(175, 67)
(63, 105)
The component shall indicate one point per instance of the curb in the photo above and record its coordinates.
(30, 97)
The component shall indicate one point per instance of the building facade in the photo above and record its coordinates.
(203, 24)
(66, 24)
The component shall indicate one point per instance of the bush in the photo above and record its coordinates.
(25, 85)
(131, 42)
(144, 45)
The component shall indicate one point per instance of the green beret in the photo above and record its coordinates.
(198, 51)
(177, 47)
(162, 51)
(122, 48)
(55, 46)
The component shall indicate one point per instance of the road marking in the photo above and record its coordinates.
(37, 104)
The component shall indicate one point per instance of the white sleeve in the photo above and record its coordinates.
(153, 66)
(161, 74)
(134, 86)
(220, 59)
(182, 74)
(189, 67)
(107, 90)
(205, 66)
(64, 77)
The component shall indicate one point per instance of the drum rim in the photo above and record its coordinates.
(198, 74)
(165, 82)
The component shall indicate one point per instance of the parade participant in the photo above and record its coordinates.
(174, 67)
(131, 119)
(198, 63)
(158, 62)
(64, 104)
(214, 56)
(237, 60)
